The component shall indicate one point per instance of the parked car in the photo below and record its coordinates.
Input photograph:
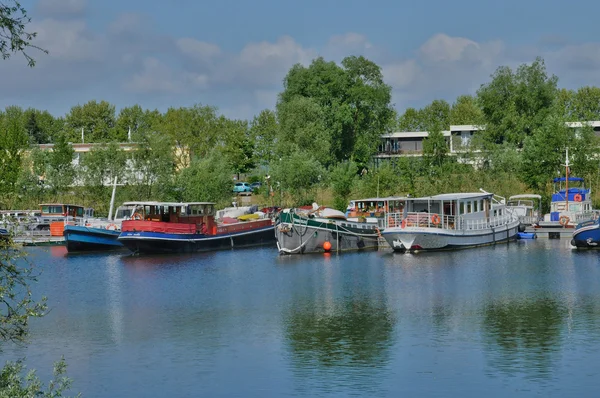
(240, 187)
(256, 185)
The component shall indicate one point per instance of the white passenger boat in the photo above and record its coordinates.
(527, 207)
(450, 221)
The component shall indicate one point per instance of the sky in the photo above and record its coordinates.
(235, 54)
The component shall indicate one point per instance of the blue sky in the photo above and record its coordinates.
(234, 54)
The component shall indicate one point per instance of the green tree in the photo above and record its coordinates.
(14, 37)
(60, 172)
(13, 142)
(515, 104)
(99, 168)
(465, 111)
(435, 148)
(238, 146)
(383, 181)
(208, 179)
(436, 116)
(586, 104)
(153, 166)
(343, 177)
(544, 153)
(97, 119)
(136, 120)
(297, 174)
(352, 99)
(411, 120)
(41, 126)
(195, 131)
(263, 132)
(302, 128)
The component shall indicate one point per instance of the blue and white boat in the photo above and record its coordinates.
(587, 234)
(450, 221)
(99, 234)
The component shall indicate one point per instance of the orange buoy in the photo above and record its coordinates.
(577, 198)
(327, 246)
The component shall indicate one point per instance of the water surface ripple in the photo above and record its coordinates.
(512, 320)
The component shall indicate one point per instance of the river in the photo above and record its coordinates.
(517, 320)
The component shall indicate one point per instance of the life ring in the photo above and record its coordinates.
(577, 197)
(563, 220)
(111, 227)
(137, 216)
(435, 219)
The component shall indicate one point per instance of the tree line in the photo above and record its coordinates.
(317, 144)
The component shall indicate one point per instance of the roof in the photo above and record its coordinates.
(559, 179)
(379, 199)
(173, 204)
(455, 196)
(59, 204)
(525, 196)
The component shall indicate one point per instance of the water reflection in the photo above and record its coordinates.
(524, 336)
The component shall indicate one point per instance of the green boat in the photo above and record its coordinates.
(319, 230)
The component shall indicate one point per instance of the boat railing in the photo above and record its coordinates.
(420, 219)
(434, 220)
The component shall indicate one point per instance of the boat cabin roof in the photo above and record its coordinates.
(456, 196)
(561, 179)
(386, 199)
(59, 204)
(173, 204)
(525, 196)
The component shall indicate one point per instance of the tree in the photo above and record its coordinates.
(297, 174)
(238, 147)
(13, 142)
(136, 120)
(14, 38)
(41, 126)
(100, 166)
(302, 129)
(411, 120)
(153, 166)
(435, 148)
(97, 119)
(436, 116)
(544, 153)
(465, 111)
(60, 172)
(263, 132)
(515, 104)
(343, 177)
(208, 179)
(194, 131)
(352, 99)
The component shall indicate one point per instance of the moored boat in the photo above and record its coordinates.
(322, 229)
(450, 221)
(587, 234)
(527, 207)
(165, 227)
(99, 234)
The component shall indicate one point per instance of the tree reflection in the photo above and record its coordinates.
(524, 336)
(357, 332)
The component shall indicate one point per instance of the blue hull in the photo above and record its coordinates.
(157, 242)
(587, 234)
(80, 239)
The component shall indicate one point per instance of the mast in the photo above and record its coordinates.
(112, 201)
(567, 180)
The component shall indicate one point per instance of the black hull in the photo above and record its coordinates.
(142, 245)
(74, 247)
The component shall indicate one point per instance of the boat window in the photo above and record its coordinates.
(79, 212)
(52, 209)
(468, 207)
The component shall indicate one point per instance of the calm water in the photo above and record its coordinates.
(516, 320)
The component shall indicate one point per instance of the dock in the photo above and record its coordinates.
(551, 232)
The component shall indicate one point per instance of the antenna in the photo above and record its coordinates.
(82, 141)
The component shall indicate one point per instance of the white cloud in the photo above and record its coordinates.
(198, 50)
(155, 77)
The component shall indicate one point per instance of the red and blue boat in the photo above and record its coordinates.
(166, 227)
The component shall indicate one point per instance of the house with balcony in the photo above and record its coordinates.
(458, 138)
